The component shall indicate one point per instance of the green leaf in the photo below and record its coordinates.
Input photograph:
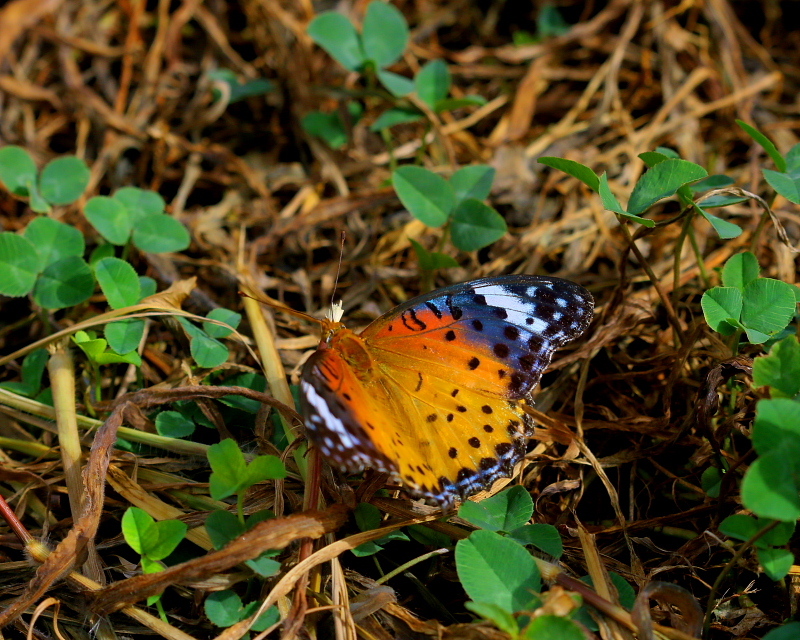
(740, 270)
(223, 608)
(670, 153)
(367, 516)
(64, 180)
(137, 529)
(739, 527)
(151, 539)
(771, 487)
(160, 233)
(140, 202)
(19, 264)
(474, 181)
(765, 142)
(104, 250)
(780, 535)
(544, 537)
(328, 126)
(31, 374)
(662, 181)
(716, 181)
(336, 34)
(399, 86)
(652, 158)
(428, 537)
(788, 185)
(125, 335)
(780, 370)
(231, 318)
(776, 562)
(496, 570)
(579, 171)
(169, 534)
(711, 481)
(208, 352)
(264, 566)
(174, 424)
(109, 357)
(720, 200)
(548, 626)
(64, 283)
(777, 426)
(54, 239)
(505, 511)
(228, 469)
(147, 285)
(433, 82)
(768, 306)
(476, 225)
(268, 618)
(110, 218)
(725, 230)
(449, 104)
(384, 33)
(222, 527)
(37, 202)
(722, 308)
(119, 282)
(231, 474)
(789, 631)
(793, 159)
(265, 468)
(395, 116)
(501, 618)
(431, 261)
(550, 23)
(17, 170)
(90, 345)
(427, 196)
(611, 203)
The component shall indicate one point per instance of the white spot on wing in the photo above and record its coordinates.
(331, 422)
(517, 309)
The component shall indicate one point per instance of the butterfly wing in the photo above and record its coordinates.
(401, 433)
(494, 335)
(434, 391)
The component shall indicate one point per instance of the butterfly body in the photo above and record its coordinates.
(434, 391)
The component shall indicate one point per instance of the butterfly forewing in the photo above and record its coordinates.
(434, 391)
(496, 335)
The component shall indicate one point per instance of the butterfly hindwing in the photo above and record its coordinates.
(463, 445)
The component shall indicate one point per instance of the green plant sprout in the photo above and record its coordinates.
(235, 90)
(223, 526)
(549, 24)
(498, 572)
(225, 608)
(455, 204)
(368, 517)
(382, 41)
(232, 475)
(46, 259)
(760, 307)
(153, 541)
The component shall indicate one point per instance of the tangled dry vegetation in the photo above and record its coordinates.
(628, 416)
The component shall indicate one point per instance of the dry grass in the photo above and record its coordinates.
(626, 424)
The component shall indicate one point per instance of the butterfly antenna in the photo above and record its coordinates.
(280, 306)
(337, 310)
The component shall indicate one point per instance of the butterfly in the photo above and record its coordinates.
(434, 391)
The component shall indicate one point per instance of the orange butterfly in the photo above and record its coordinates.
(433, 391)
